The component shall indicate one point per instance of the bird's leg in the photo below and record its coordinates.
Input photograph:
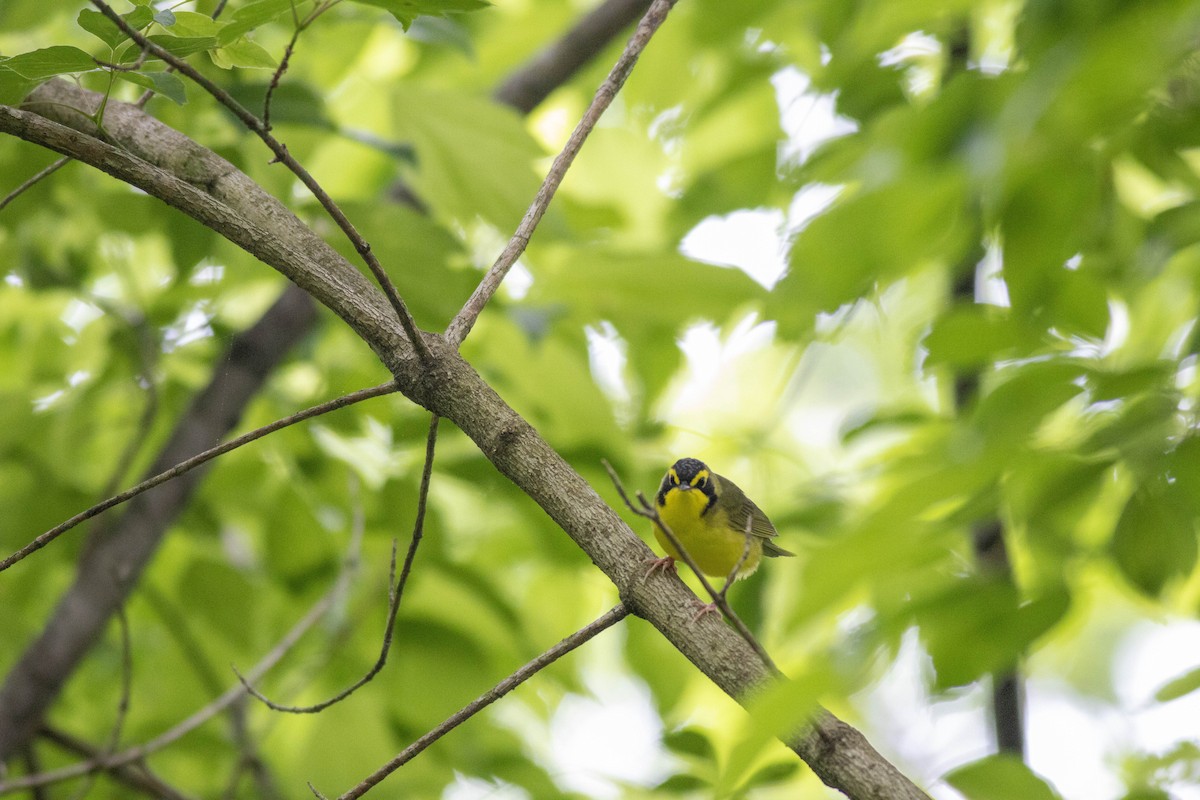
(714, 607)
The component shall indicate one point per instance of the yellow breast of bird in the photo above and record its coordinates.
(708, 538)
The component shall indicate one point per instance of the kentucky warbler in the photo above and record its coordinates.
(709, 515)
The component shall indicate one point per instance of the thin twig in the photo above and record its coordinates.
(277, 76)
(28, 184)
(733, 573)
(131, 67)
(135, 776)
(361, 246)
(220, 704)
(147, 346)
(610, 618)
(461, 325)
(648, 511)
(149, 93)
(33, 765)
(249, 760)
(193, 462)
(301, 26)
(395, 592)
(114, 738)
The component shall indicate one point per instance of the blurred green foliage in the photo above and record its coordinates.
(1043, 152)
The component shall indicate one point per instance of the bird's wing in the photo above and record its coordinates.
(742, 508)
(760, 525)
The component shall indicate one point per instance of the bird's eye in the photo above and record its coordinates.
(701, 481)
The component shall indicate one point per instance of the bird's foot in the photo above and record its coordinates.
(659, 565)
(704, 610)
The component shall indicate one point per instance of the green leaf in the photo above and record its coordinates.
(182, 46)
(1000, 777)
(1080, 305)
(442, 31)
(14, 87)
(38, 65)
(1155, 539)
(1147, 793)
(474, 158)
(223, 597)
(774, 713)
(975, 335)
(883, 419)
(1011, 412)
(407, 10)
(863, 240)
(683, 784)
(1139, 427)
(772, 774)
(690, 742)
(101, 27)
(991, 615)
(191, 23)
(166, 17)
(1042, 229)
(418, 253)
(295, 102)
(628, 291)
(1119, 384)
(579, 416)
(140, 17)
(168, 84)
(1185, 684)
(245, 54)
(250, 16)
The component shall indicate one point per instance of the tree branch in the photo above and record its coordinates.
(465, 320)
(135, 776)
(991, 551)
(187, 465)
(32, 181)
(161, 146)
(584, 634)
(231, 695)
(451, 388)
(396, 592)
(361, 246)
(117, 552)
(533, 82)
(448, 386)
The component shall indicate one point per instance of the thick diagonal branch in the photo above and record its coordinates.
(174, 152)
(284, 156)
(201, 185)
(448, 386)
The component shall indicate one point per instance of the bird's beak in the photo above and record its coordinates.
(683, 487)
